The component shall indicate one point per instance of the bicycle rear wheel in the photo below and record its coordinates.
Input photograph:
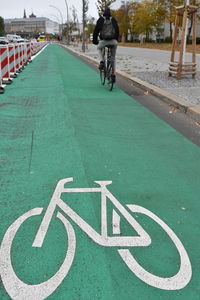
(103, 76)
(110, 81)
(15, 287)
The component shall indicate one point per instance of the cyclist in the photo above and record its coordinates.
(107, 30)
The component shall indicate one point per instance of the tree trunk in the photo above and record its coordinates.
(171, 31)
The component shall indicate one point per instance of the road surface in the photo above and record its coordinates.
(56, 122)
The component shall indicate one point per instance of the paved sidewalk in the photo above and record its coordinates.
(152, 67)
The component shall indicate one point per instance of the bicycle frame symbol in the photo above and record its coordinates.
(17, 289)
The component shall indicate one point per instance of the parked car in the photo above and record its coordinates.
(3, 40)
(14, 38)
(42, 38)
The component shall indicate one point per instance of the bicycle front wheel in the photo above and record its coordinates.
(177, 281)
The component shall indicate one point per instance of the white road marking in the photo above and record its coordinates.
(17, 289)
(33, 57)
(116, 223)
(176, 282)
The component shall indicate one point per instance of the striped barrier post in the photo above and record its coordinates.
(25, 58)
(33, 48)
(37, 47)
(1, 81)
(11, 57)
(5, 68)
(29, 52)
(21, 56)
(17, 61)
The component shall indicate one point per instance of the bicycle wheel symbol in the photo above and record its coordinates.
(15, 287)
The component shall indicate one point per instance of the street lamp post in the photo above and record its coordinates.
(85, 9)
(61, 18)
(68, 37)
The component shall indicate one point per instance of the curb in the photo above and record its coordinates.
(191, 110)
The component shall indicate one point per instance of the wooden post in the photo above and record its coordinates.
(180, 62)
(174, 41)
(194, 42)
(181, 67)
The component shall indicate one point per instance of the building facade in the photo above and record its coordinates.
(31, 25)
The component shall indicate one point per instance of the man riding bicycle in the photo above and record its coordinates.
(107, 30)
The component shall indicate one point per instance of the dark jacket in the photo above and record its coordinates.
(98, 29)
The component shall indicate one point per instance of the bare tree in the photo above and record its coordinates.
(84, 20)
(74, 15)
(102, 4)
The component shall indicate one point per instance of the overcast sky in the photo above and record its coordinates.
(41, 8)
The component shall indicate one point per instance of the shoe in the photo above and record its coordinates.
(101, 65)
(113, 78)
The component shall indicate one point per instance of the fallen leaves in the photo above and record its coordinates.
(173, 109)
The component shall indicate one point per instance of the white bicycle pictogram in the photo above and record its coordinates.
(17, 289)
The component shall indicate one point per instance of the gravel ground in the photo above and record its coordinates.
(150, 66)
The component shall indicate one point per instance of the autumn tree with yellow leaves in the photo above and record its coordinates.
(140, 17)
(148, 16)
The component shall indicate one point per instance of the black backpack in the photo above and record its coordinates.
(108, 30)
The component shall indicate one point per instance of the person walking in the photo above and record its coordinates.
(107, 30)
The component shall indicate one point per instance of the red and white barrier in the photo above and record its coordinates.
(25, 59)
(17, 65)
(36, 47)
(32, 49)
(28, 52)
(13, 58)
(21, 56)
(5, 67)
(1, 82)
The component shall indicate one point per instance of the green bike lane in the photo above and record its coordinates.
(57, 121)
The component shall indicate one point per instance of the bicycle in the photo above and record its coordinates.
(107, 73)
(17, 289)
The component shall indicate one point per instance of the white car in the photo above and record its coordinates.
(14, 38)
(18, 40)
(3, 40)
